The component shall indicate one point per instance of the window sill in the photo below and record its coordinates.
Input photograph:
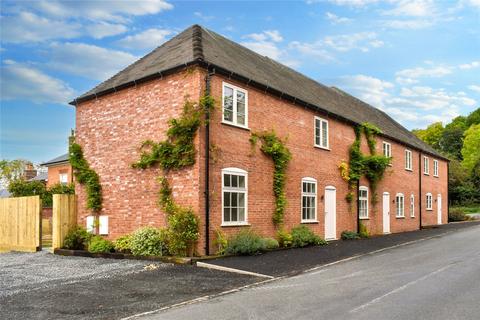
(323, 148)
(426, 174)
(429, 209)
(309, 222)
(366, 218)
(235, 125)
(406, 169)
(413, 217)
(398, 217)
(435, 176)
(235, 225)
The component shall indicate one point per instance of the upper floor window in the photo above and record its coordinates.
(387, 149)
(429, 201)
(400, 205)
(435, 168)
(412, 205)
(408, 160)
(363, 202)
(426, 169)
(235, 105)
(309, 200)
(63, 178)
(321, 133)
(234, 196)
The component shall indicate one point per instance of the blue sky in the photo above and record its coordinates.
(417, 60)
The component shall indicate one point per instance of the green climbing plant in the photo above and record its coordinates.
(371, 166)
(275, 148)
(86, 176)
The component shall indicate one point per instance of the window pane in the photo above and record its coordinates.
(234, 214)
(226, 214)
(227, 115)
(324, 134)
(241, 214)
(241, 181)
(234, 181)
(226, 199)
(234, 202)
(241, 200)
(228, 104)
(226, 180)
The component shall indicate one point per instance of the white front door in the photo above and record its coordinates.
(386, 212)
(439, 209)
(330, 213)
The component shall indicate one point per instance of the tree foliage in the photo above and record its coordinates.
(471, 147)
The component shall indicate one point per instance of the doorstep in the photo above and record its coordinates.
(83, 253)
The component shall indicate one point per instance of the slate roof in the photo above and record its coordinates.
(41, 176)
(57, 160)
(197, 45)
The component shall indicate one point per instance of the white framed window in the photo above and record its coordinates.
(412, 205)
(387, 149)
(234, 196)
(363, 202)
(235, 105)
(408, 160)
(309, 200)
(426, 169)
(428, 202)
(63, 178)
(400, 205)
(321, 133)
(435, 168)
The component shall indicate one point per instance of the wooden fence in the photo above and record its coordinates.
(64, 217)
(20, 223)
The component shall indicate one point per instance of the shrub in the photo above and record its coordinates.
(122, 244)
(270, 243)
(182, 231)
(100, 245)
(302, 236)
(148, 241)
(246, 242)
(77, 238)
(349, 235)
(220, 241)
(363, 231)
(456, 214)
(285, 239)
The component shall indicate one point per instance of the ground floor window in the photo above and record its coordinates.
(234, 196)
(400, 204)
(429, 201)
(309, 199)
(363, 202)
(412, 206)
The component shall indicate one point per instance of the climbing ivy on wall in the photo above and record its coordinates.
(275, 148)
(86, 176)
(371, 166)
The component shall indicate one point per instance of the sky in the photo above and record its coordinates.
(418, 60)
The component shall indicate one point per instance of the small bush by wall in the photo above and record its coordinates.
(246, 242)
(123, 243)
(302, 236)
(149, 241)
(98, 244)
(77, 238)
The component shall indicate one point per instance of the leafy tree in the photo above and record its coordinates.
(451, 141)
(471, 147)
(431, 135)
(12, 169)
(473, 118)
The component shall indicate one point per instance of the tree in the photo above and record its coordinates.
(471, 147)
(431, 135)
(473, 118)
(12, 169)
(451, 141)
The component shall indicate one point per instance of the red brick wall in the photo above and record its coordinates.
(55, 171)
(435, 186)
(111, 128)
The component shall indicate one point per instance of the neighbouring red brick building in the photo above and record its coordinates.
(59, 170)
(253, 94)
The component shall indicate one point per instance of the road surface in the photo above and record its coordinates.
(433, 279)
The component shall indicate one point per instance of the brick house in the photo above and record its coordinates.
(59, 170)
(229, 187)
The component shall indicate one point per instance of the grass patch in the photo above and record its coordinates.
(474, 208)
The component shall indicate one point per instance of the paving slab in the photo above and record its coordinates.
(294, 261)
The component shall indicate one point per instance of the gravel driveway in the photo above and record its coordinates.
(46, 286)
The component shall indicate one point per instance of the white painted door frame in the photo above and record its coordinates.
(330, 201)
(386, 212)
(439, 208)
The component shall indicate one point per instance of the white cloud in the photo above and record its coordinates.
(333, 18)
(312, 49)
(466, 66)
(415, 8)
(362, 41)
(420, 72)
(87, 60)
(474, 87)
(104, 29)
(202, 16)
(24, 82)
(351, 3)
(113, 10)
(29, 27)
(368, 89)
(405, 81)
(408, 24)
(147, 39)
(268, 35)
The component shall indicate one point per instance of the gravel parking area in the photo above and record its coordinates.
(45, 286)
